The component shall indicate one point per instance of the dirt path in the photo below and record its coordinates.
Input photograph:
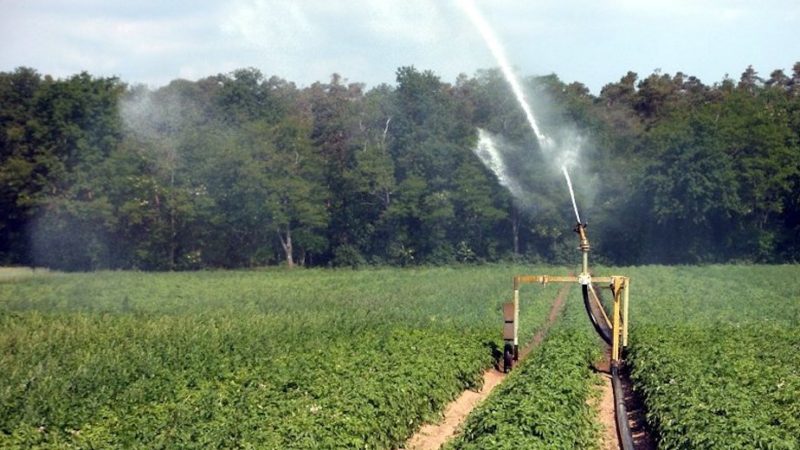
(433, 436)
(604, 404)
(606, 409)
(642, 440)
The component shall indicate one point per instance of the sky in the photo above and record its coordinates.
(594, 42)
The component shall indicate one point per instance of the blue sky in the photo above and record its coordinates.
(594, 42)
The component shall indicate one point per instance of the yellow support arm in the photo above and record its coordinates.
(618, 322)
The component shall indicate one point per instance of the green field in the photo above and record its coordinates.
(543, 403)
(358, 359)
(716, 354)
(260, 359)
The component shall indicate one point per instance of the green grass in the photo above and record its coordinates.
(251, 359)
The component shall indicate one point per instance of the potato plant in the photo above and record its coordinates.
(715, 353)
(248, 359)
(544, 403)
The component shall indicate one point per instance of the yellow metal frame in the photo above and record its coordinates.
(620, 288)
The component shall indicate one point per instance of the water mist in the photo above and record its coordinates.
(499, 55)
(492, 158)
(571, 193)
(567, 149)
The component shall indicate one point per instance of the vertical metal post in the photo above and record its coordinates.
(516, 322)
(615, 332)
(585, 266)
(626, 292)
(584, 278)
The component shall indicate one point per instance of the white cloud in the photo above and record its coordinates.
(366, 40)
(280, 24)
(286, 24)
(410, 21)
(672, 9)
(149, 38)
(102, 45)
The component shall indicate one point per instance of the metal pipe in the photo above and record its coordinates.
(584, 277)
(585, 268)
(599, 305)
(626, 287)
(616, 288)
(516, 323)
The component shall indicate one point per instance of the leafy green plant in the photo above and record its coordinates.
(258, 359)
(543, 403)
(714, 354)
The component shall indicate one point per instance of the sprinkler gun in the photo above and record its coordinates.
(584, 278)
(613, 328)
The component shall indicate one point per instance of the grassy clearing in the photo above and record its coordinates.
(18, 273)
(255, 359)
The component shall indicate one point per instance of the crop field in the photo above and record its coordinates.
(358, 359)
(543, 403)
(255, 359)
(716, 354)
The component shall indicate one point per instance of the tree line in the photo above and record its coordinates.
(243, 170)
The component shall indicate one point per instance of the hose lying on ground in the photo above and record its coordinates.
(623, 429)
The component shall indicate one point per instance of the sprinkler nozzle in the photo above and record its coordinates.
(580, 228)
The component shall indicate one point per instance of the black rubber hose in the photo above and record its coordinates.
(602, 331)
(623, 430)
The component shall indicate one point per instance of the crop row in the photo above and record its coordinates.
(715, 354)
(302, 359)
(546, 402)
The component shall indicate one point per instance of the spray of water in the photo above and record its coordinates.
(571, 142)
(500, 56)
(571, 193)
(490, 156)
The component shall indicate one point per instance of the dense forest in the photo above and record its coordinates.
(242, 170)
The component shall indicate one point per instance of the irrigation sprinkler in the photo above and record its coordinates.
(614, 330)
